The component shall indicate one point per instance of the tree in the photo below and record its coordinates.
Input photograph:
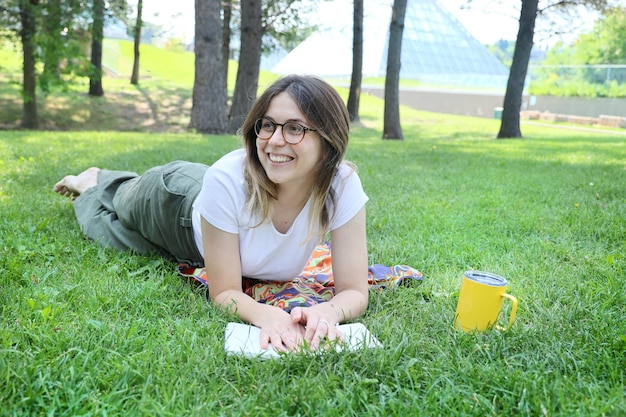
(53, 49)
(249, 62)
(583, 67)
(97, 35)
(27, 10)
(227, 11)
(354, 95)
(286, 21)
(391, 121)
(208, 111)
(23, 17)
(57, 44)
(510, 124)
(605, 44)
(277, 19)
(115, 8)
(59, 49)
(134, 78)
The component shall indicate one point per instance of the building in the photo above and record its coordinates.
(436, 48)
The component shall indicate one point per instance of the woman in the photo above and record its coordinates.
(258, 212)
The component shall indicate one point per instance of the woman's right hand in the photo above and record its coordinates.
(223, 269)
(281, 332)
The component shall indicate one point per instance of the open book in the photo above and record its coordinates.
(243, 339)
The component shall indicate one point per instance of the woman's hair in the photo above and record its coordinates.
(326, 112)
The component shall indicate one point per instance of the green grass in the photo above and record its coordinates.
(160, 103)
(85, 331)
(88, 331)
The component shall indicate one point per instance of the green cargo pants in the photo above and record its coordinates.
(147, 214)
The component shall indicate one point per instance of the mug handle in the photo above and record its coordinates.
(513, 312)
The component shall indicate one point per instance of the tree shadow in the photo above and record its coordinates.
(151, 107)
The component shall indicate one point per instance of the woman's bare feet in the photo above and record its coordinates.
(74, 185)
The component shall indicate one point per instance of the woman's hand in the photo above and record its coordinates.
(318, 325)
(282, 333)
(223, 268)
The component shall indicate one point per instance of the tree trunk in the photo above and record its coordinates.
(208, 111)
(392, 128)
(249, 62)
(97, 35)
(29, 88)
(134, 78)
(354, 96)
(53, 49)
(510, 125)
(227, 8)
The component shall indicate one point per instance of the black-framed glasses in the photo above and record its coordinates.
(293, 132)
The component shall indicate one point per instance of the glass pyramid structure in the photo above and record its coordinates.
(436, 48)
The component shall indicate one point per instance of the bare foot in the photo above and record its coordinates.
(74, 185)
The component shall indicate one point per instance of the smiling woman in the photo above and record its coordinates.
(258, 212)
(287, 164)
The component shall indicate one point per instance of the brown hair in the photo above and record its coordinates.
(322, 106)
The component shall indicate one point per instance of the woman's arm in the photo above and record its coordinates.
(349, 256)
(223, 267)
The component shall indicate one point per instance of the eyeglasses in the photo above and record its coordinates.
(293, 132)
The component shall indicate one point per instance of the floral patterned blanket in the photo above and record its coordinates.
(314, 285)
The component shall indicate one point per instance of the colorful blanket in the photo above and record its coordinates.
(313, 286)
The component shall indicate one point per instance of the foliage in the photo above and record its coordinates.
(284, 23)
(604, 45)
(555, 85)
(284, 20)
(503, 50)
(569, 69)
(62, 39)
(161, 103)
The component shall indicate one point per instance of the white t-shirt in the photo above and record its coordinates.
(266, 253)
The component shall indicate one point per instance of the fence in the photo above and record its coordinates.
(577, 80)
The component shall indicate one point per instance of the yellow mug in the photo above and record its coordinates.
(480, 302)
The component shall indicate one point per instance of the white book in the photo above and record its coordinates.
(243, 339)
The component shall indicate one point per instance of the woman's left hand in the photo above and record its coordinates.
(318, 325)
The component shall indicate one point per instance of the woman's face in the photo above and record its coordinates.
(289, 165)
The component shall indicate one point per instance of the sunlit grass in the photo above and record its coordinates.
(87, 331)
(175, 66)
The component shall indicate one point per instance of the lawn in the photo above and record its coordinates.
(87, 331)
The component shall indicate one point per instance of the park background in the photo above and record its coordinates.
(87, 331)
